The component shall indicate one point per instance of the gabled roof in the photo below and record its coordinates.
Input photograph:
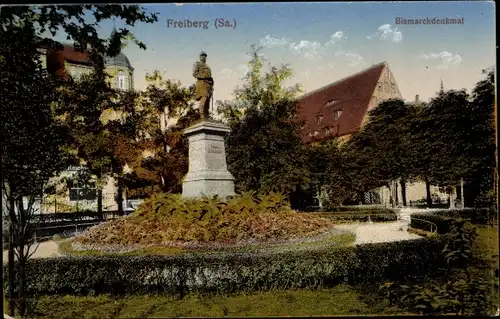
(351, 96)
(56, 59)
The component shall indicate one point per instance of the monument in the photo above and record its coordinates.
(207, 173)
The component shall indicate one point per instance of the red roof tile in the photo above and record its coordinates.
(56, 59)
(73, 56)
(350, 96)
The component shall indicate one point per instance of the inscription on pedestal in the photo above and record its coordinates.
(215, 149)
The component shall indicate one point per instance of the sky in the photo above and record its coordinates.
(321, 42)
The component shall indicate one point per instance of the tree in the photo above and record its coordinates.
(380, 152)
(265, 152)
(328, 168)
(440, 139)
(34, 144)
(479, 143)
(161, 101)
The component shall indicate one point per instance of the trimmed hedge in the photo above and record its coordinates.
(230, 273)
(443, 223)
(375, 215)
(479, 216)
(352, 208)
(443, 218)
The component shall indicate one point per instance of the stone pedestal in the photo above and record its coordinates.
(207, 174)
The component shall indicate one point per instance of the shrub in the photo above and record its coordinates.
(480, 216)
(443, 223)
(235, 272)
(170, 218)
(375, 215)
(355, 208)
(443, 218)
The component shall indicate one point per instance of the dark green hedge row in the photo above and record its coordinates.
(443, 223)
(443, 218)
(224, 273)
(476, 215)
(378, 215)
(357, 208)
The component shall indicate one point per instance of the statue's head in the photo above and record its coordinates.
(203, 56)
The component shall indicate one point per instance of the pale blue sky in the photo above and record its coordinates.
(299, 33)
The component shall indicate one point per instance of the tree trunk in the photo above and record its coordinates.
(320, 202)
(428, 193)
(403, 191)
(11, 261)
(99, 196)
(22, 260)
(120, 197)
(396, 193)
(462, 198)
(451, 197)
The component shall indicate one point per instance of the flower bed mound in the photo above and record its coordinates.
(167, 219)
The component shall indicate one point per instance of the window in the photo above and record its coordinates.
(121, 81)
(337, 114)
(332, 102)
(319, 119)
(325, 131)
(315, 133)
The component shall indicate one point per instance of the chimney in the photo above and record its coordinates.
(416, 98)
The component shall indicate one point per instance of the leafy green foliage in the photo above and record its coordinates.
(444, 218)
(329, 170)
(36, 145)
(381, 152)
(229, 273)
(467, 290)
(168, 217)
(264, 149)
(168, 162)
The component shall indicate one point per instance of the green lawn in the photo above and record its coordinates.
(341, 300)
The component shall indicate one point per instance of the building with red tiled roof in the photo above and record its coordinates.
(73, 63)
(340, 108)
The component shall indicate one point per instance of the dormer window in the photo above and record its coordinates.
(337, 114)
(319, 119)
(332, 103)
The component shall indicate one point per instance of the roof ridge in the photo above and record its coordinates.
(343, 79)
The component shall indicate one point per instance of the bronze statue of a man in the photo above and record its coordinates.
(204, 85)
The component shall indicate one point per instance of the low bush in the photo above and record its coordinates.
(378, 215)
(444, 218)
(481, 216)
(466, 290)
(443, 223)
(235, 272)
(355, 208)
(170, 219)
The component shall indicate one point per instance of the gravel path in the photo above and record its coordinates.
(367, 233)
(46, 249)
